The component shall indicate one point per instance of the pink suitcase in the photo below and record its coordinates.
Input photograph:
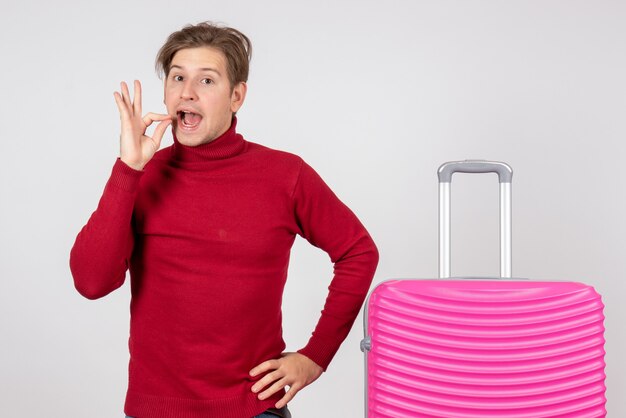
(477, 348)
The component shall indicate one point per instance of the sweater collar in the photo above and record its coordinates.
(227, 145)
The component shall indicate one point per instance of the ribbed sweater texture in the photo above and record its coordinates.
(206, 233)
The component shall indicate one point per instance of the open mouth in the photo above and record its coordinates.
(189, 121)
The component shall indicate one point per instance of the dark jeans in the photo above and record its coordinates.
(284, 411)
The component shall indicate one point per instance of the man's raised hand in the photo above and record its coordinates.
(136, 148)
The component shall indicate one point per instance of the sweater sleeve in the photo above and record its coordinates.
(101, 253)
(329, 224)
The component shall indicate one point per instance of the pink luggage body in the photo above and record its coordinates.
(478, 348)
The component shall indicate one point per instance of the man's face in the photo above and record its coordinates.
(198, 95)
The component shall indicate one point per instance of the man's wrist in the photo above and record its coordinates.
(137, 167)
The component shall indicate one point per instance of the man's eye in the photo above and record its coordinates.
(178, 78)
(207, 81)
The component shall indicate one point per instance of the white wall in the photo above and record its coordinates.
(374, 95)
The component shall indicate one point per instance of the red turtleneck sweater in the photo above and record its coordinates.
(206, 233)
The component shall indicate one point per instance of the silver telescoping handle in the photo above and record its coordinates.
(505, 175)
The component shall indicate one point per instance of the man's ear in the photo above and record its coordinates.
(238, 96)
(164, 87)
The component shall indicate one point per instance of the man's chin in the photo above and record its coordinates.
(191, 139)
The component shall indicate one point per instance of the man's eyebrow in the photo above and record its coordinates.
(200, 69)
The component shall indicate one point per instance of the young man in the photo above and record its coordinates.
(205, 227)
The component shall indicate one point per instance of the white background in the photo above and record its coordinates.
(375, 96)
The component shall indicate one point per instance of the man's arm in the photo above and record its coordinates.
(330, 225)
(101, 253)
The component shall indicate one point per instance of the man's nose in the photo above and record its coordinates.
(188, 92)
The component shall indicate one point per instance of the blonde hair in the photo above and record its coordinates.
(235, 46)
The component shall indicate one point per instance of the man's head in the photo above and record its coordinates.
(206, 69)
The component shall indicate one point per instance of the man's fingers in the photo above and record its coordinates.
(278, 385)
(266, 380)
(151, 117)
(266, 365)
(120, 105)
(126, 95)
(159, 131)
(291, 393)
(137, 98)
(280, 378)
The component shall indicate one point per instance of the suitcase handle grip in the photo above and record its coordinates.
(505, 175)
(504, 171)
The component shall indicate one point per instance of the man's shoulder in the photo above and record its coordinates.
(163, 153)
(275, 156)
